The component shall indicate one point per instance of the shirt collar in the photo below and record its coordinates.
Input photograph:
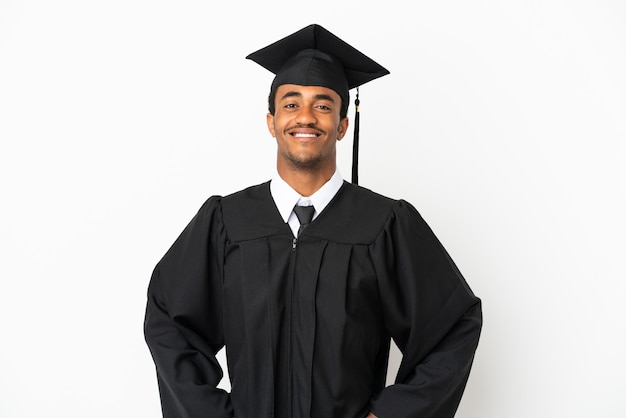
(285, 197)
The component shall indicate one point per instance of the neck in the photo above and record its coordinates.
(305, 182)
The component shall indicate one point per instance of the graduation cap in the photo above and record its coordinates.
(313, 56)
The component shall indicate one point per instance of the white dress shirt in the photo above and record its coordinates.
(286, 198)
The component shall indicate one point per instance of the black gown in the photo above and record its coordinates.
(307, 323)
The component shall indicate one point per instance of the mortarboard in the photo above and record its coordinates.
(313, 56)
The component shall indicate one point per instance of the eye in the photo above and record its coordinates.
(324, 108)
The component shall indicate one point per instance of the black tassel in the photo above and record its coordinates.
(355, 144)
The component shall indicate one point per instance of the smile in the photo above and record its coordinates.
(303, 135)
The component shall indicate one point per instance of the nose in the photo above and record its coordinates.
(306, 116)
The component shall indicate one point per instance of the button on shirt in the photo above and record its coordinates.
(285, 198)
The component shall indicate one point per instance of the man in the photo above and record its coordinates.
(306, 304)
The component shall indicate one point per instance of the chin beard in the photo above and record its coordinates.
(304, 163)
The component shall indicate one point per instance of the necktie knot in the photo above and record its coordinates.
(305, 215)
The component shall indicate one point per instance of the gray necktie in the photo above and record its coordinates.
(304, 214)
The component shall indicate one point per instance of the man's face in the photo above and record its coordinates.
(306, 126)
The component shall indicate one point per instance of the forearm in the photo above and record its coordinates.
(187, 369)
(188, 372)
(437, 382)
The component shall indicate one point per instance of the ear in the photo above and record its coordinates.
(343, 128)
(270, 124)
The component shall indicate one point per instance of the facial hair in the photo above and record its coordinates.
(303, 163)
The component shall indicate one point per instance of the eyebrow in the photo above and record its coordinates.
(298, 94)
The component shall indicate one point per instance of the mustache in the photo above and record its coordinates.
(305, 126)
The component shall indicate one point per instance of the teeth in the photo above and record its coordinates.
(301, 135)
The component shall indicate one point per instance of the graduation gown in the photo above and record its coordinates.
(307, 322)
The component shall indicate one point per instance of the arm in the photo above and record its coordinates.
(431, 313)
(183, 321)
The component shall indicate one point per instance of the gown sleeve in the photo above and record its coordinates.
(183, 321)
(432, 315)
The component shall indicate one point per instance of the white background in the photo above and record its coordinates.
(503, 122)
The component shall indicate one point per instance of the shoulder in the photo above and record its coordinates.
(376, 213)
(236, 204)
(360, 202)
(247, 196)
(251, 213)
(245, 203)
(384, 206)
(236, 200)
(356, 215)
